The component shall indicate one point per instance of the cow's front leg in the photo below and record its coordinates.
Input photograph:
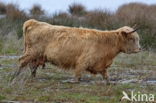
(78, 72)
(105, 76)
(77, 75)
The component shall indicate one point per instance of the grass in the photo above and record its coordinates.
(49, 85)
(10, 44)
(2, 97)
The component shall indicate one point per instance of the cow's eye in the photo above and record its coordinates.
(132, 39)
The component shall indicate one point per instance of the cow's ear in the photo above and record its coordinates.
(124, 33)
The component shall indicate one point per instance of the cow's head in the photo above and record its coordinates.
(130, 40)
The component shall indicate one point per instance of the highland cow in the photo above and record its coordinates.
(77, 48)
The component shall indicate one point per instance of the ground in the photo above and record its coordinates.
(135, 72)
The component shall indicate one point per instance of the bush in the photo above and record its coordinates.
(36, 11)
(77, 9)
(99, 19)
(129, 14)
(2, 8)
(19, 29)
(13, 12)
(63, 18)
(7, 26)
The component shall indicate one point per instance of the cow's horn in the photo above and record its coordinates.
(133, 31)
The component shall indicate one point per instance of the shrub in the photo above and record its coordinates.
(60, 19)
(99, 19)
(19, 30)
(36, 11)
(2, 8)
(77, 9)
(130, 13)
(13, 12)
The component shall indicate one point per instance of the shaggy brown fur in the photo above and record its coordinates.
(76, 48)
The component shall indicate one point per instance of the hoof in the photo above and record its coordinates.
(75, 80)
(109, 83)
(33, 76)
(71, 81)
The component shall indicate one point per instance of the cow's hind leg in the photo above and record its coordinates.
(23, 62)
(43, 66)
(33, 68)
(43, 60)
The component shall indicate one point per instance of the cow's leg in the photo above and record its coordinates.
(35, 64)
(105, 76)
(43, 66)
(33, 67)
(24, 56)
(33, 72)
(78, 71)
(43, 63)
(77, 75)
(23, 62)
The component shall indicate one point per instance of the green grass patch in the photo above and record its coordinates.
(2, 97)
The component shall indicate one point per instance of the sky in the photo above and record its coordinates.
(52, 6)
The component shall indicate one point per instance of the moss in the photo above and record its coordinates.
(44, 98)
(2, 97)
